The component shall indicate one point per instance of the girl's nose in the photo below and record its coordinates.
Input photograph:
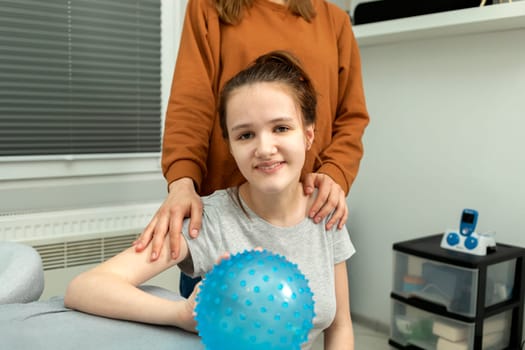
(265, 146)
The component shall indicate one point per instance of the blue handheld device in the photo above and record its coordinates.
(469, 219)
(466, 239)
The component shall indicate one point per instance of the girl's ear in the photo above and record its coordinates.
(309, 134)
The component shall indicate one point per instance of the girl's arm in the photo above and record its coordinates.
(110, 289)
(340, 334)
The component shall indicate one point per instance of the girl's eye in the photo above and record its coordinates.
(282, 128)
(245, 136)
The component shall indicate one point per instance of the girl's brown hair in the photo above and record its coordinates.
(274, 67)
(231, 11)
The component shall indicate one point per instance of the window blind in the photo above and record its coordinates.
(79, 77)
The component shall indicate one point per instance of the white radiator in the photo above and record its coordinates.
(71, 241)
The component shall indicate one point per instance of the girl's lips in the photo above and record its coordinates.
(269, 167)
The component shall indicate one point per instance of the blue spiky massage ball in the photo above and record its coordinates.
(254, 300)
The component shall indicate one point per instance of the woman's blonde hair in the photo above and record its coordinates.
(231, 11)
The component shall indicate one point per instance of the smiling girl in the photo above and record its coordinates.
(267, 115)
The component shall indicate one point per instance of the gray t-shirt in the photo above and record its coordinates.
(227, 228)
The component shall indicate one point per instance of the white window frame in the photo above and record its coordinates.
(50, 181)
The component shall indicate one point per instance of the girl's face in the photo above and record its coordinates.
(267, 137)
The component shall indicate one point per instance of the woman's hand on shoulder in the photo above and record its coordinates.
(182, 202)
(330, 197)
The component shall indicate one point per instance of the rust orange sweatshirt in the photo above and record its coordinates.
(211, 52)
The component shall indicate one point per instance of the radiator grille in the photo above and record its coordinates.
(82, 252)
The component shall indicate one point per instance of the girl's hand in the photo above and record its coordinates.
(186, 317)
(330, 197)
(191, 299)
(182, 202)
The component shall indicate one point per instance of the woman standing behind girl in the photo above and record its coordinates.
(220, 38)
(267, 114)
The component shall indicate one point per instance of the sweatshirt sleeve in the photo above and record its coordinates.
(340, 160)
(191, 106)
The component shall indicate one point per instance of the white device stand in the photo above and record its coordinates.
(476, 244)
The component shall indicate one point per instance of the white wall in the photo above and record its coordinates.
(344, 4)
(447, 132)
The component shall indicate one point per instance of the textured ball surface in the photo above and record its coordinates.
(254, 300)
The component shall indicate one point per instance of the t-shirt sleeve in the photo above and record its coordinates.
(343, 246)
(207, 247)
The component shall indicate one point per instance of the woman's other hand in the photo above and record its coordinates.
(182, 202)
(330, 197)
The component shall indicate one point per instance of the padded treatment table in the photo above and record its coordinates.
(48, 325)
